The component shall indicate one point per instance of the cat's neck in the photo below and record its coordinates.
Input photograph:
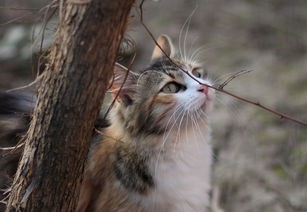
(177, 162)
(170, 139)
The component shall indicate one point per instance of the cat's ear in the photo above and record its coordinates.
(166, 44)
(124, 82)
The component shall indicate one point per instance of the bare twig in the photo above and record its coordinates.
(120, 88)
(79, 1)
(15, 19)
(37, 79)
(232, 77)
(30, 11)
(45, 22)
(19, 8)
(256, 103)
(12, 147)
(6, 197)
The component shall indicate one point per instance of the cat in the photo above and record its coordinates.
(156, 154)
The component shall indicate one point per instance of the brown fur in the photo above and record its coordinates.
(101, 190)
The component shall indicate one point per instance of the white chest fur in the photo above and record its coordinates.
(182, 176)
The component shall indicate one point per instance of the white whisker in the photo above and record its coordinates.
(186, 35)
(223, 77)
(179, 129)
(194, 123)
(169, 131)
(187, 21)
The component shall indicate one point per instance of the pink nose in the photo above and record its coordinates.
(204, 89)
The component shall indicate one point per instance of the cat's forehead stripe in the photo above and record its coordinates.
(166, 66)
(163, 65)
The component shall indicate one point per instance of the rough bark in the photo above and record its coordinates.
(80, 65)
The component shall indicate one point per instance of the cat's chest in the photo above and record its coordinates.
(182, 176)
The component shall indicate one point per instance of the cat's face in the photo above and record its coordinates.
(163, 97)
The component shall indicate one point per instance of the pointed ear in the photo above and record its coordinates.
(166, 44)
(124, 82)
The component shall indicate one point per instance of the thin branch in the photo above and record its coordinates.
(256, 103)
(46, 19)
(12, 147)
(19, 8)
(6, 197)
(121, 87)
(79, 1)
(37, 79)
(31, 11)
(232, 77)
(15, 19)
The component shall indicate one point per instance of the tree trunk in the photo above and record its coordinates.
(72, 90)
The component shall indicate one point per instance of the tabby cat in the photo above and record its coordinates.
(156, 154)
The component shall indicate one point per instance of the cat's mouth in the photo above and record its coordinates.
(209, 100)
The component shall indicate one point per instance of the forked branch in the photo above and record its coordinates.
(232, 77)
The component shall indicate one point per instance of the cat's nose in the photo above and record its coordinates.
(204, 89)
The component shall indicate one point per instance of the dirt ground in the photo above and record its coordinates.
(260, 159)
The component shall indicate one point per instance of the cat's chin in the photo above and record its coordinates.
(207, 106)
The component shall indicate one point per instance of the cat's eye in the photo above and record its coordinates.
(172, 87)
(196, 72)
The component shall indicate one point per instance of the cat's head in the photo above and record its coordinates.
(162, 97)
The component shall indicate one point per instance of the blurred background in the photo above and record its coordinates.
(260, 159)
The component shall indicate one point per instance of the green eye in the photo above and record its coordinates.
(172, 87)
(196, 73)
